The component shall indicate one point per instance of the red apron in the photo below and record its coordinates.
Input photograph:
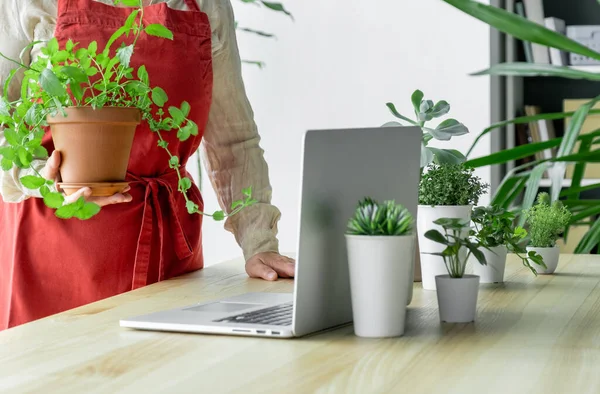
(49, 265)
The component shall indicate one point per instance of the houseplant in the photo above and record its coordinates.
(426, 111)
(445, 191)
(494, 229)
(381, 249)
(456, 292)
(524, 180)
(90, 86)
(547, 222)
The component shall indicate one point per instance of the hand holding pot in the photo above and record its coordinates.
(51, 171)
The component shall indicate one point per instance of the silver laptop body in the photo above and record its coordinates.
(339, 168)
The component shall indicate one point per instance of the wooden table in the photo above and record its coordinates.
(532, 335)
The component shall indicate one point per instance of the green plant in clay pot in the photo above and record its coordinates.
(456, 291)
(380, 242)
(445, 191)
(95, 89)
(547, 221)
(494, 228)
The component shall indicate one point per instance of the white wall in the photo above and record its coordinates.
(336, 66)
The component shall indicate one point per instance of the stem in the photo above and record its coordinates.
(14, 61)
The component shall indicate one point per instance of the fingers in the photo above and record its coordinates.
(257, 269)
(85, 192)
(284, 266)
(118, 198)
(50, 171)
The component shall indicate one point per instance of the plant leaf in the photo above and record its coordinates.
(191, 206)
(74, 73)
(218, 216)
(537, 70)
(521, 28)
(436, 236)
(426, 155)
(159, 30)
(533, 185)
(178, 116)
(276, 7)
(32, 182)
(185, 109)
(395, 112)
(88, 211)
(54, 200)
(447, 156)
(124, 55)
(159, 97)
(51, 84)
(452, 127)
(416, 98)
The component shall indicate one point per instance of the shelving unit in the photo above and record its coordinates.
(567, 182)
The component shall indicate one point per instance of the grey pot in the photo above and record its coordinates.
(457, 298)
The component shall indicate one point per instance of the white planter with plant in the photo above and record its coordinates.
(381, 255)
(493, 228)
(456, 292)
(445, 191)
(546, 224)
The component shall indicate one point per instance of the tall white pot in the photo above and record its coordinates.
(457, 298)
(432, 266)
(550, 257)
(493, 271)
(381, 282)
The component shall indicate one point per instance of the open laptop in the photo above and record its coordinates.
(339, 168)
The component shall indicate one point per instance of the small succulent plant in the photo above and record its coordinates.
(373, 218)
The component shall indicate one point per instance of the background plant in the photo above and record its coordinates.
(450, 184)
(372, 218)
(425, 111)
(547, 221)
(454, 239)
(94, 77)
(520, 186)
(494, 226)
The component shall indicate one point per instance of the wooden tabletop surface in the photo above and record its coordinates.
(532, 335)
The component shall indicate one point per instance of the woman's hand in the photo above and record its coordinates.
(50, 171)
(270, 266)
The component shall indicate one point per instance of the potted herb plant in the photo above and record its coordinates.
(381, 250)
(456, 292)
(546, 224)
(493, 228)
(445, 191)
(92, 99)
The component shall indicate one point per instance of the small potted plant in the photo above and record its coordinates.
(380, 243)
(445, 191)
(93, 99)
(456, 292)
(547, 222)
(493, 228)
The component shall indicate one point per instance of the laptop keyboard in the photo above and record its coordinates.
(280, 315)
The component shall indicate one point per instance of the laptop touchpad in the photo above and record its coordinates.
(221, 307)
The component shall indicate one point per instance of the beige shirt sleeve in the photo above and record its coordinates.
(231, 150)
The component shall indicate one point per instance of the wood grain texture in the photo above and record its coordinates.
(532, 335)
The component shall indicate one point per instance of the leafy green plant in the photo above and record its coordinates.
(455, 238)
(372, 218)
(91, 77)
(547, 221)
(524, 180)
(494, 226)
(450, 184)
(425, 111)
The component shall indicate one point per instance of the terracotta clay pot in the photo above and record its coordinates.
(95, 144)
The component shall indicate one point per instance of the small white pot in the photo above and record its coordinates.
(493, 272)
(550, 257)
(457, 298)
(381, 283)
(431, 266)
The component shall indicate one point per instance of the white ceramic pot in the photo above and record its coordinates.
(550, 256)
(381, 283)
(457, 298)
(431, 266)
(493, 272)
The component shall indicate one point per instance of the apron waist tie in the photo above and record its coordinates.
(168, 182)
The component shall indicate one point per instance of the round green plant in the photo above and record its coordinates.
(75, 76)
(372, 218)
(547, 221)
(450, 185)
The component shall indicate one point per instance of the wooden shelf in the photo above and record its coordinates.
(567, 182)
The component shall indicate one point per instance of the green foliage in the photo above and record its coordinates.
(450, 184)
(86, 77)
(425, 111)
(455, 238)
(494, 226)
(546, 221)
(372, 218)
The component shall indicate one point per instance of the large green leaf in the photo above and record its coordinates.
(447, 156)
(537, 70)
(518, 152)
(51, 84)
(578, 172)
(580, 189)
(520, 27)
(590, 239)
(531, 191)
